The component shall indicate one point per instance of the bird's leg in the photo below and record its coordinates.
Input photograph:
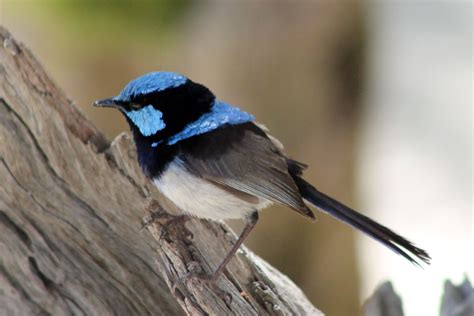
(252, 220)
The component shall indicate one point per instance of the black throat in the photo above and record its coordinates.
(180, 106)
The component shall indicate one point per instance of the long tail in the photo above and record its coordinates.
(395, 242)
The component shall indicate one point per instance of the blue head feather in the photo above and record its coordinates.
(221, 114)
(149, 83)
(148, 119)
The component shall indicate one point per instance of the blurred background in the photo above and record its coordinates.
(376, 96)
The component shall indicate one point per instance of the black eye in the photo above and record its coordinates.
(135, 106)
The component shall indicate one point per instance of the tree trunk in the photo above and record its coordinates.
(71, 206)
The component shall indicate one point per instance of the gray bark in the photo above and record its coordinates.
(71, 206)
(384, 302)
(457, 300)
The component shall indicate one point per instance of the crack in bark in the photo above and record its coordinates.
(112, 285)
(35, 200)
(23, 293)
(32, 136)
(61, 182)
(69, 300)
(10, 224)
(34, 268)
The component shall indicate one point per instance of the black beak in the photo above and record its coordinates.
(106, 103)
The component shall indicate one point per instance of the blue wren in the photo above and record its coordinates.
(215, 162)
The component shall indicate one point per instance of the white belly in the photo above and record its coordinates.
(200, 198)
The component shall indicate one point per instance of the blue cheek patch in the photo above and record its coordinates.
(221, 114)
(148, 120)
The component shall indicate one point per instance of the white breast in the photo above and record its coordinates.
(200, 198)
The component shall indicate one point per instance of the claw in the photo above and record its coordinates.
(194, 274)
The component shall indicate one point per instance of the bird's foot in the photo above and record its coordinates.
(194, 277)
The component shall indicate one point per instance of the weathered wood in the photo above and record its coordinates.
(71, 206)
(384, 302)
(457, 300)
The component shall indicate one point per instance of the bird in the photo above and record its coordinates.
(214, 161)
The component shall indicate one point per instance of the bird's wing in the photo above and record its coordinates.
(244, 158)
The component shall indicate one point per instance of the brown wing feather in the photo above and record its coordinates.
(243, 158)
